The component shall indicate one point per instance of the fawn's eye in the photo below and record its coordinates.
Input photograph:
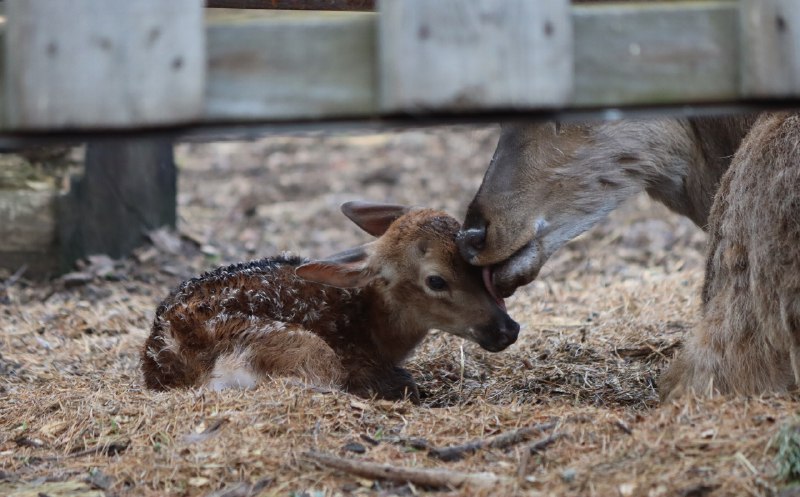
(436, 283)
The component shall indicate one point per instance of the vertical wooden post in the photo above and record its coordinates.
(104, 63)
(770, 44)
(453, 55)
(128, 189)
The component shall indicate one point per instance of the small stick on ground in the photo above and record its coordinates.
(622, 426)
(542, 444)
(457, 452)
(109, 449)
(429, 477)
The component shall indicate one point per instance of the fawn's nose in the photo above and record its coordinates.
(509, 331)
(500, 334)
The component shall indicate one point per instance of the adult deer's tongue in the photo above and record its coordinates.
(487, 282)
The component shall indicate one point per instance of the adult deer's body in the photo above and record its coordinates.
(547, 185)
(348, 321)
(748, 338)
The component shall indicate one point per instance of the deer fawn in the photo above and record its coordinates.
(348, 321)
(548, 183)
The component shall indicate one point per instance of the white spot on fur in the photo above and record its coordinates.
(171, 345)
(232, 371)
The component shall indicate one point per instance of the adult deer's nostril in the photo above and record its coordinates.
(471, 242)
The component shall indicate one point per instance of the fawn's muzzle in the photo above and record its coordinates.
(499, 335)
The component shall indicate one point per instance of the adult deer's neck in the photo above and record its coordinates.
(679, 162)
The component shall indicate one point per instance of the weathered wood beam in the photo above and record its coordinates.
(626, 54)
(308, 67)
(291, 68)
(128, 189)
(452, 55)
(103, 63)
(28, 227)
(653, 54)
(349, 5)
(770, 47)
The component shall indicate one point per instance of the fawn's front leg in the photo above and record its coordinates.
(383, 382)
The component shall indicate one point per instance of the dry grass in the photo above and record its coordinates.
(598, 327)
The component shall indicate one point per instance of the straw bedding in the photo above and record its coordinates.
(606, 314)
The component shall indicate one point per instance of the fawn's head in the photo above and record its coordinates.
(415, 266)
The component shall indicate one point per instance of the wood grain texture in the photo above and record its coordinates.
(444, 57)
(128, 189)
(353, 5)
(770, 48)
(292, 67)
(454, 55)
(654, 54)
(28, 231)
(104, 63)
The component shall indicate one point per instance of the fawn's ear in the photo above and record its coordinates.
(346, 269)
(373, 218)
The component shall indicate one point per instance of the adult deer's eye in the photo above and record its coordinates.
(436, 283)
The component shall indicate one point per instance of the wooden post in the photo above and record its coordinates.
(28, 229)
(104, 63)
(770, 44)
(128, 189)
(453, 55)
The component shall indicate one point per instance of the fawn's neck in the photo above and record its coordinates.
(388, 332)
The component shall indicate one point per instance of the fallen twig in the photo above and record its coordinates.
(540, 445)
(243, 489)
(413, 443)
(211, 431)
(109, 449)
(429, 477)
(12, 280)
(457, 452)
(622, 426)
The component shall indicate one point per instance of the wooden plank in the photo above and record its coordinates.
(292, 67)
(655, 54)
(770, 48)
(104, 63)
(28, 231)
(354, 5)
(304, 68)
(27, 219)
(128, 189)
(3, 117)
(454, 55)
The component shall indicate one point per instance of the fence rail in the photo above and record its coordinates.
(162, 67)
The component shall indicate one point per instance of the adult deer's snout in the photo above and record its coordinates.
(471, 242)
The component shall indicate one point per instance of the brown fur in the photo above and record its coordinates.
(747, 339)
(547, 185)
(349, 322)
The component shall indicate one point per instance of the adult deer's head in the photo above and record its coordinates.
(547, 184)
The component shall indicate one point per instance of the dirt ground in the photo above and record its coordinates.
(598, 326)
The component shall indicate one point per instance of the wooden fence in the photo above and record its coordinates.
(105, 65)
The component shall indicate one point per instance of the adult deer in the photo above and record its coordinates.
(547, 184)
